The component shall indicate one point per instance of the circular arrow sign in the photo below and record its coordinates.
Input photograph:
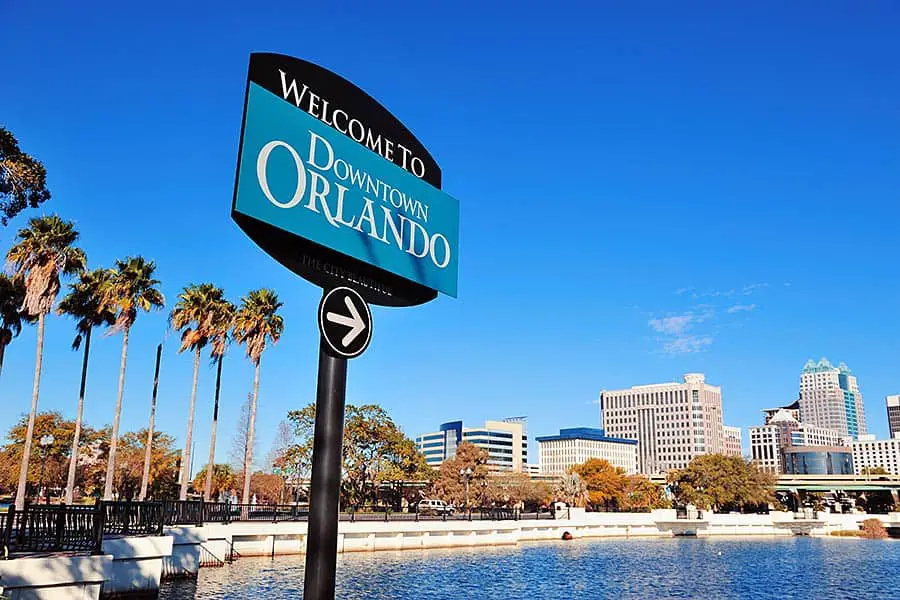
(345, 322)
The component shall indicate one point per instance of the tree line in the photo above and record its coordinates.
(48, 473)
(710, 482)
(45, 254)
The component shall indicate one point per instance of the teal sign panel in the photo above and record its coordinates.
(305, 177)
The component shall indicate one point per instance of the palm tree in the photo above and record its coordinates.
(255, 323)
(12, 294)
(194, 314)
(131, 288)
(43, 252)
(85, 303)
(220, 328)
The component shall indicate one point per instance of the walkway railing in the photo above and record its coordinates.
(77, 528)
(51, 528)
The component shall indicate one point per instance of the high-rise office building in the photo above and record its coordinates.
(579, 444)
(731, 440)
(506, 443)
(869, 453)
(830, 398)
(673, 423)
(893, 414)
(783, 431)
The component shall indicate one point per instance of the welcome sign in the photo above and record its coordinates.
(338, 190)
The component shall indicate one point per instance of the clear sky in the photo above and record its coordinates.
(645, 191)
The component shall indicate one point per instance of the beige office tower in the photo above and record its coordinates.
(673, 423)
(830, 398)
(732, 441)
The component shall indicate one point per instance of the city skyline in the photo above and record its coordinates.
(570, 282)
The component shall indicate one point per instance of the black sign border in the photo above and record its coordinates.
(303, 256)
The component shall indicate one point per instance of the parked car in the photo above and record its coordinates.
(434, 507)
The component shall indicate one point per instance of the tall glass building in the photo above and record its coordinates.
(830, 398)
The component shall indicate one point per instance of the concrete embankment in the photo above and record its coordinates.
(262, 539)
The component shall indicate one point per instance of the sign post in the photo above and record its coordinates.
(337, 189)
(325, 485)
(345, 324)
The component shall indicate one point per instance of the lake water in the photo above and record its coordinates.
(784, 568)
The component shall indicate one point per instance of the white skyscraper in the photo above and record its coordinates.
(673, 423)
(830, 398)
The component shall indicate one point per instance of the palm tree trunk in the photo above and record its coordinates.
(73, 459)
(148, 446)
(248, 454)
(29, 432)
(186, 453)
(114, 439)
(210, 465)
(2, 354)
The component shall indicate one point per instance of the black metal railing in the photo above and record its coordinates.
(184, 512)
(132, 518)
(77, 528)
(369, 514)
(51, 528)
(273, 513)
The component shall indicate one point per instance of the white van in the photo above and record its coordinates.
(434, 507)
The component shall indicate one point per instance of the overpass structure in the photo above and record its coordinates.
(842, 483)
(829, 483)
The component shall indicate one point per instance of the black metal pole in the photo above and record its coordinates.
(325, 485)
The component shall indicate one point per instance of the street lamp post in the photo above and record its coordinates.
(466, 474)
(45, 442)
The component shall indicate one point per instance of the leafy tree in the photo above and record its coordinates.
(220, 324)
(12, 295)
(164, 465)
(639, 494)
(722, 483)
(223, 480)
(23, 179)
(194, 314)
(374, 450)
(450, 486)
(131, 288)
(44, 251)
(517, 490)
(85, 304)
(572, 490)
(605, 483)
(256, 323)
(268, 487)
(55, 457)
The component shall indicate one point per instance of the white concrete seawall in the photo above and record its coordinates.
(264, 539)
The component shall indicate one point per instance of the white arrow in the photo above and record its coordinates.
(356, 324)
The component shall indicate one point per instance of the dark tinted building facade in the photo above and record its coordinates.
(818, 460)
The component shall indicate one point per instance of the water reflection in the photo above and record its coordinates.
(582, 570)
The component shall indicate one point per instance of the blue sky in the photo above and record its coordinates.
(645, 191)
